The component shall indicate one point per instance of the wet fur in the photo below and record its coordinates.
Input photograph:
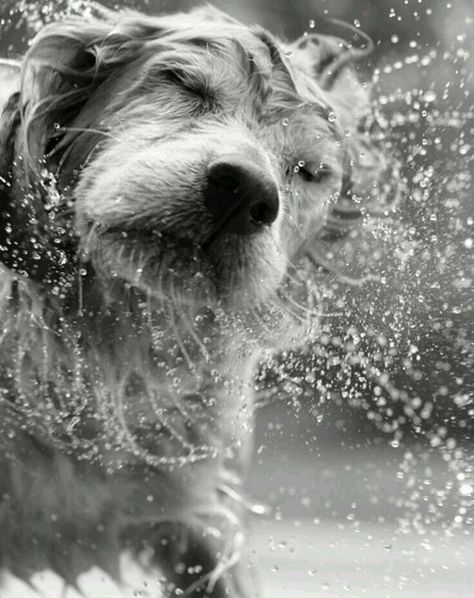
(126, 394)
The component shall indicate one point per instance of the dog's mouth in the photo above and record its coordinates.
(225, 269)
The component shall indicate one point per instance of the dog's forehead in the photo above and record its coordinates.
(236, 43)
(241, 54)
(235, 39)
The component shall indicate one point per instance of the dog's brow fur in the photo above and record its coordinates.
(132, 318)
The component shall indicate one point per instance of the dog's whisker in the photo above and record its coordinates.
(87, 130)
(176, 330)
(186, 318)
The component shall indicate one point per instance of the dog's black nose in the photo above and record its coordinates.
(241, 199)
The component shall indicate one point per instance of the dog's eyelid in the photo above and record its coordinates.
(173, 74)
(180, 77)
(313, 172)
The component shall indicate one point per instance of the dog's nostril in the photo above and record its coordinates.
(241, 197)
(262, 213)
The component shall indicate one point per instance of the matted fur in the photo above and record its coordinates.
(130, 328)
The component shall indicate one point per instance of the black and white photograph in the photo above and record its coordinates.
(236, 299)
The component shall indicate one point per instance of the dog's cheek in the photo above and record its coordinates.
(310, 206)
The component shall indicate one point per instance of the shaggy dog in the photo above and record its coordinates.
(163, 181)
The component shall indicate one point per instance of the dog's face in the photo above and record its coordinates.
(196, 155)
(198, 193)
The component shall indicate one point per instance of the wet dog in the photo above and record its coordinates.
(162, 180)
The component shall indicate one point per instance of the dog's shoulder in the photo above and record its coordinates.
(9, 84)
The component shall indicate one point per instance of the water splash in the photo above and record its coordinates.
(397, 340)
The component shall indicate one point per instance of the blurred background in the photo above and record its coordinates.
(364, 444)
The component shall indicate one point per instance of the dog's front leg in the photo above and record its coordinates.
(200, 562)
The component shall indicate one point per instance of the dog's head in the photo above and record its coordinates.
(189, 156)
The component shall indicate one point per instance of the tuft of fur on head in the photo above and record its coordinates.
(131, 324)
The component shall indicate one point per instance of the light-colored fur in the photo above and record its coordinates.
(127, 351)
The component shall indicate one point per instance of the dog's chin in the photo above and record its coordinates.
(247, 270)
(232, 274)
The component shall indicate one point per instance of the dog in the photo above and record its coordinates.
(163, 183)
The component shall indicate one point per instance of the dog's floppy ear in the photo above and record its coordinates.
(17, 246)
(64, 67)
(66, 64)
(55, 78)
(330, 62)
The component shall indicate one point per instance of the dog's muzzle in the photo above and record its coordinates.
(241, 199)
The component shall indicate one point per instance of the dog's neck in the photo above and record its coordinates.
(105, 405)
(143, 374)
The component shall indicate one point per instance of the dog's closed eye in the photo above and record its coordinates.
(198, 87)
